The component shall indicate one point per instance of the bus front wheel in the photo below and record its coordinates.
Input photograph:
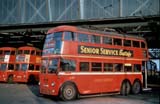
(136, 88)
(125, 88)
(68, 92)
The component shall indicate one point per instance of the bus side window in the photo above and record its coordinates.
(10, 67)
(67, 65)
(107, 40)
(127, 43)
(143, 45)
(69, 36)
(108, 67)
(83, 38)
(33, 52)
(26, 51)
(37, 67)
(118, 67)
(137, 67)
(136, 44)
(96, 66)
(117, 41)
(95, 39)
(13, 52)
(128, 68)
(84, 66)
(1, 52)
(31, 67)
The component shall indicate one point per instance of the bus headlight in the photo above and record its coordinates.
(39, 83)
(52, 84)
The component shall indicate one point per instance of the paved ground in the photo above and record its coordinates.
(29, 94)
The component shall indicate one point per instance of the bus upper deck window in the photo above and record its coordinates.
(136, 44)
(107, 40)
(143, 45)
(20, 51)
(127, 42)
(13, 52)
(117, 41)
(1, 52)
(95, 39)
(26, 52)
(33, 52)
(69, 36)
(83, 38)
(7, 52)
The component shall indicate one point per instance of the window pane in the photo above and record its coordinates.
(24, 67)
(7, 52)
(67, 65)
(143, 45)
(37, 67)
(117, 41)
(84, 66)
(69, 36)
(31, 67)
(127, 42)
(26, 51)
(20, 52)
(118, 67)
(96, 66)
(128, 68)
(137, 67)
(10, 67)
(108, 67)
(1, 52)
(136, 44)
(32, 52)
(13, 52)
(95, 39)
(107, 40)
(83, 38)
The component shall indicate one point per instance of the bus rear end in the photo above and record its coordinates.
(7, 64)
(28, 62)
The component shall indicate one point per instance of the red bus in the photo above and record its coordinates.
(7, 63)
(77, 61)
(28, 62)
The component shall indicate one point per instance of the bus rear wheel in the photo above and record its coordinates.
(125, 88)
(10, 79)
(136, 88)
(68, 92)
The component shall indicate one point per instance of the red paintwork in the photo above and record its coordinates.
(5, 74)
(91, 82)
(23, 76)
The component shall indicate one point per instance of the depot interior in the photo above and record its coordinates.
(33, 33)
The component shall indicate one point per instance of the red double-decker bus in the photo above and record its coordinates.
(7, 64)
(28, 62)
(77, 61)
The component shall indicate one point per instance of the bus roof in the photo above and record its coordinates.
(28, 48)
(7, 48)
(79, 29)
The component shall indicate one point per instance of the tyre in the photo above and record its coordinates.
(136, 88)
(10, 79)
(68, 92)
(125, 88)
